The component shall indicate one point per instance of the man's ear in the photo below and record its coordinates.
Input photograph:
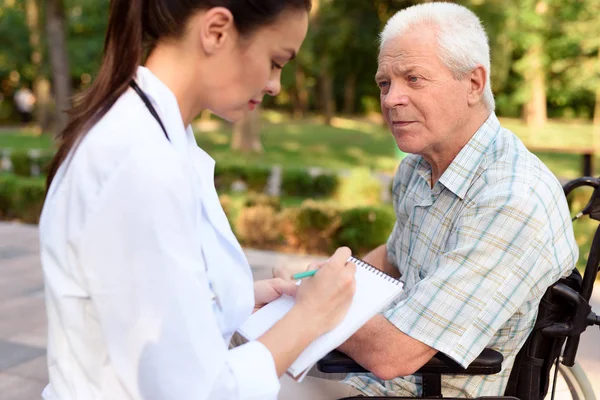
(215, 29)
(478, 79)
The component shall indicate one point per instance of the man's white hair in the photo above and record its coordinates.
(461, 38)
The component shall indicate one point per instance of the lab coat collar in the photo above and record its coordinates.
(165, 103)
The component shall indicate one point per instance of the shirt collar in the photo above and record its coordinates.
(459, 174)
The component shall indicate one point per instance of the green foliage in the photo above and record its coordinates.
(314, 226)
(8, 184)
(21, 163)
(359, 188)
(296, 182)
(362, 229)
(343, 41)
(299, 182)
(21, 198)
(254, 176)
(14, 40)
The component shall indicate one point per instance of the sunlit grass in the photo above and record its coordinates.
(349, 142)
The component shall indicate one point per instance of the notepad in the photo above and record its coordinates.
(374, 291)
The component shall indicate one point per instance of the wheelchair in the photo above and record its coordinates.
(564, 314)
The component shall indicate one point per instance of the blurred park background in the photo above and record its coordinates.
(312, 168)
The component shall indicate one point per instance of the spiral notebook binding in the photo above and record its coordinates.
(375, 270)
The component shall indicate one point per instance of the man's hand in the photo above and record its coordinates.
(378, 258)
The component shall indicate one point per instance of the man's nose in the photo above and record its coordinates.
(396, 97)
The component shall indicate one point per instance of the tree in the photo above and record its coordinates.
(57, 48)
(533, 19)
(246, 133)
(41, 86)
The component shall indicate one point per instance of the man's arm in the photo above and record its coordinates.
(378, 258)
(385, 351)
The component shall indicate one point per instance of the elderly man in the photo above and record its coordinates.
(482, 225)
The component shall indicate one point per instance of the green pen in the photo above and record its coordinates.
(304, 274)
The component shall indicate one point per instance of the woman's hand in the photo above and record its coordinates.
(267, 290)
(286, 272)
(322, 301)
(326, 296)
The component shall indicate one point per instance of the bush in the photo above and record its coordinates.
(258, 226)
(298, 182)
(255, 177)
(325, 185)
(8, 189)
(311, 226)
(362, 229)
(262, 200)
(360, 188)
(21, 198)
(21, 164)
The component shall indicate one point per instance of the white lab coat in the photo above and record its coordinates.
(133, 238)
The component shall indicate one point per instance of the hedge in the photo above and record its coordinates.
(24, 165)
(21, 198)
(299, 182)
(316, 227)
(294, 182)
(255, 177)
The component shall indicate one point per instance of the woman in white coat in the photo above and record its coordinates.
(145, 282)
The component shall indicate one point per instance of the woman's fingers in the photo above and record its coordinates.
(283, 286)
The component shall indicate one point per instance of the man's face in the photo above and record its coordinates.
(422, 103)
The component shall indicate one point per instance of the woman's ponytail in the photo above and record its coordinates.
(123, 52)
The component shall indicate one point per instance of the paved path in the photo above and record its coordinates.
(23, 320)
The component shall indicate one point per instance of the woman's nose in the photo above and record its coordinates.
(273, 86)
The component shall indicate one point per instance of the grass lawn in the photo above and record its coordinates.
(349, 143)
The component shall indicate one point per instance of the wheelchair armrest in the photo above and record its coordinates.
(487, 363)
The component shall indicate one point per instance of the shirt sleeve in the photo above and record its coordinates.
(140, 254)
(499, 253)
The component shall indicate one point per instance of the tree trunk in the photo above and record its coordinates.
(327, 100)
(350, 94)
(596, 123)
(300, 94)
(41, 86)
(534, 110)
(55, 24)
(246, 133)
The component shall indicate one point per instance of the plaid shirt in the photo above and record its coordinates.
(476, 253)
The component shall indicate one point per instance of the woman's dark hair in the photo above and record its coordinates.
(134, 27)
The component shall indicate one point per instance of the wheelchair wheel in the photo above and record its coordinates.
(572, 384)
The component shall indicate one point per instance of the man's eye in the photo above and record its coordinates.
(383, 85)
(274, 65)
(413, 79)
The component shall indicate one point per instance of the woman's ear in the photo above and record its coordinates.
(215, 28)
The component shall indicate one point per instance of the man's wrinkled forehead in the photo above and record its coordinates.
(412, 48)
(418, 35)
